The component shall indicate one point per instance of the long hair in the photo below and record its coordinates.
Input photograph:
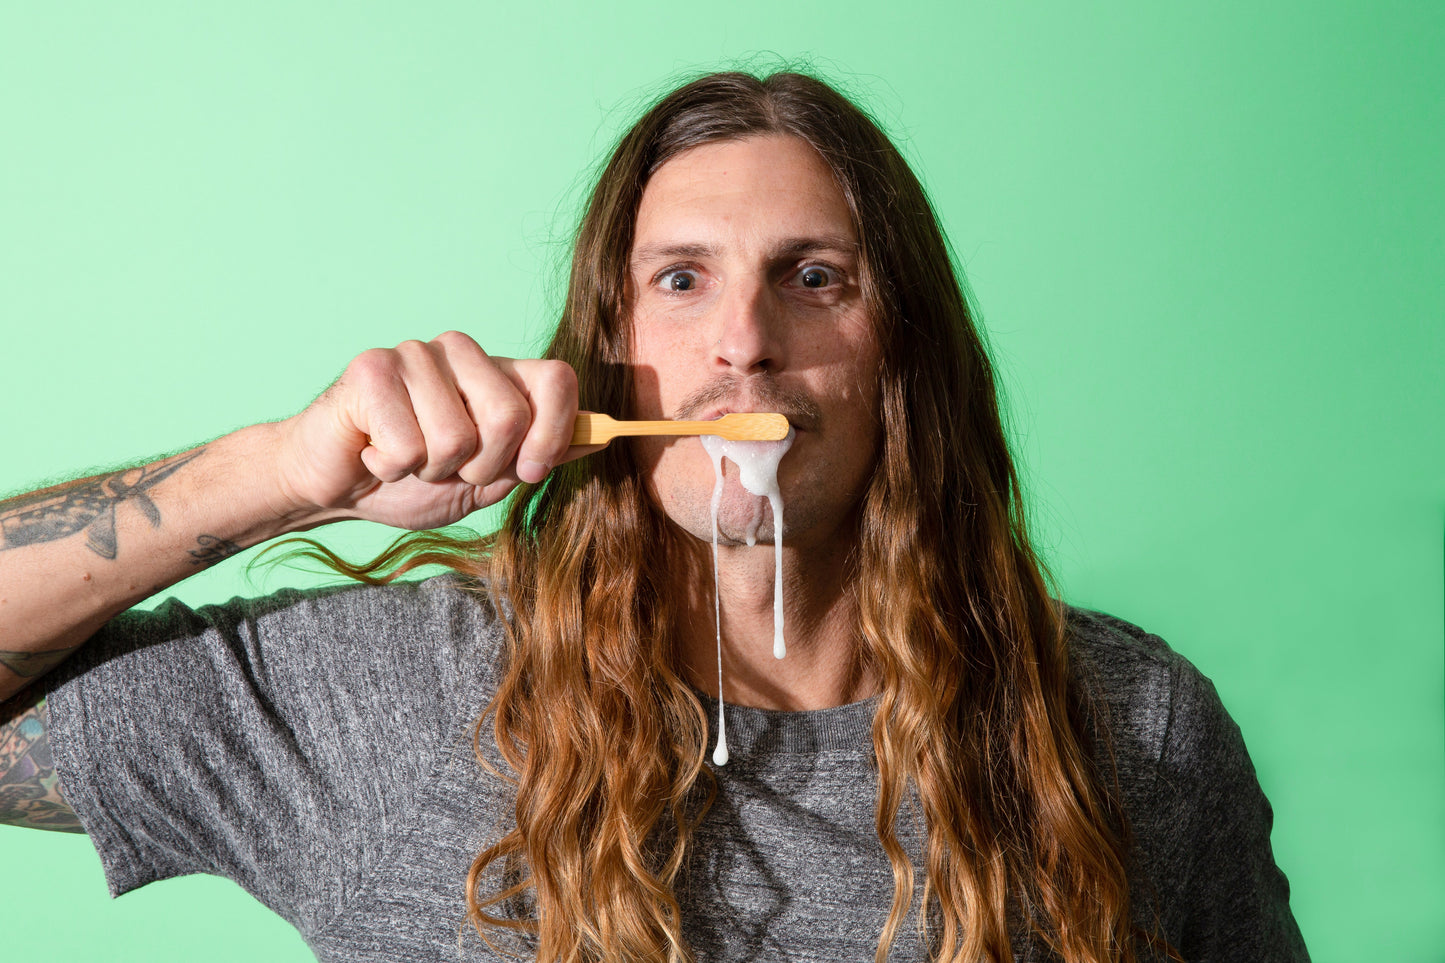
(977, 725)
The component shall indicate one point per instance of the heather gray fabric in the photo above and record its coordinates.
(315, 747)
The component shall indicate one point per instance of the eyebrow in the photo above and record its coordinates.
(791, 247)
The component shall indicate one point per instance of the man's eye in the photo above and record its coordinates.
(815, 277)
(679, 280)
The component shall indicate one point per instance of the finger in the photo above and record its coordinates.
(498, 409)
(496, 491)
(448, 432)
(575, 452)
(380, 408)
(551, 389)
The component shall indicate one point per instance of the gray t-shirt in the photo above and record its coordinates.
(315, 747)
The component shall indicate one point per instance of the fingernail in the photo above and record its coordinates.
(531, 471)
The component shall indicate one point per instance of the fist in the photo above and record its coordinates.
(421, 435)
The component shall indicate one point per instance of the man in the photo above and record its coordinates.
(947, 764)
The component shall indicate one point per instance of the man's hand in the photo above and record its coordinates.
(423, 434)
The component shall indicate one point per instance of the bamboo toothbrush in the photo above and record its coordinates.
(595, 429)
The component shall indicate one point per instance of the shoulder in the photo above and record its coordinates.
(441, 632)
(431, 610)
(1099, 639)
(1131, 670)
(1157, 709)
(408, 642)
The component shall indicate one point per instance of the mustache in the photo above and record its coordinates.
(757, 393)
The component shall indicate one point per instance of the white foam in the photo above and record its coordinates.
(757, 463)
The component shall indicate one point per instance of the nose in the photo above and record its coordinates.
(748, 329)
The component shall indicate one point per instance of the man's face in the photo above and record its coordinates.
(744, 296)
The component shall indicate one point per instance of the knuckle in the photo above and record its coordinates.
(475, 472)
(453, 446)
(395, 463)
(412, 348)
(506, 423)
(370, 366)
(558, 377)
(456, 340)
(410, 464)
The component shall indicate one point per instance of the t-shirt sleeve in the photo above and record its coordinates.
(277, 742)
(1227, 899)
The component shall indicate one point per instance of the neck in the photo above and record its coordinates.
(822, 667)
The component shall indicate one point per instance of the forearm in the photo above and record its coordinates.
(74, 556)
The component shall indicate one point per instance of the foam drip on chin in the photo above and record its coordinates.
(720, 754)
(757, 463)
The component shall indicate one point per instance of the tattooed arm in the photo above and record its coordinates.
(416, 437)
(75, 555)
(29, 787)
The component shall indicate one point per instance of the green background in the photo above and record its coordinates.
(1205, 239)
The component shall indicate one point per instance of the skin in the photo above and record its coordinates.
(744, 295)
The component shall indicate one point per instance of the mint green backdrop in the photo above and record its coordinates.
(1206, 242)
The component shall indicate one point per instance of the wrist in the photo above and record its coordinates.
(281, 509)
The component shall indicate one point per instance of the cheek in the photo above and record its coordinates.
(660, 369)
(849, 372)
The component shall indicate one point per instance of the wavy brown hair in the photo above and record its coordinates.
(978, 724)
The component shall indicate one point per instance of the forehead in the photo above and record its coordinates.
(752, 190)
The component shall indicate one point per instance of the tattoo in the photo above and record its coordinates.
(212, 550)
(87, 505)
(28, 665)
(29, 786)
